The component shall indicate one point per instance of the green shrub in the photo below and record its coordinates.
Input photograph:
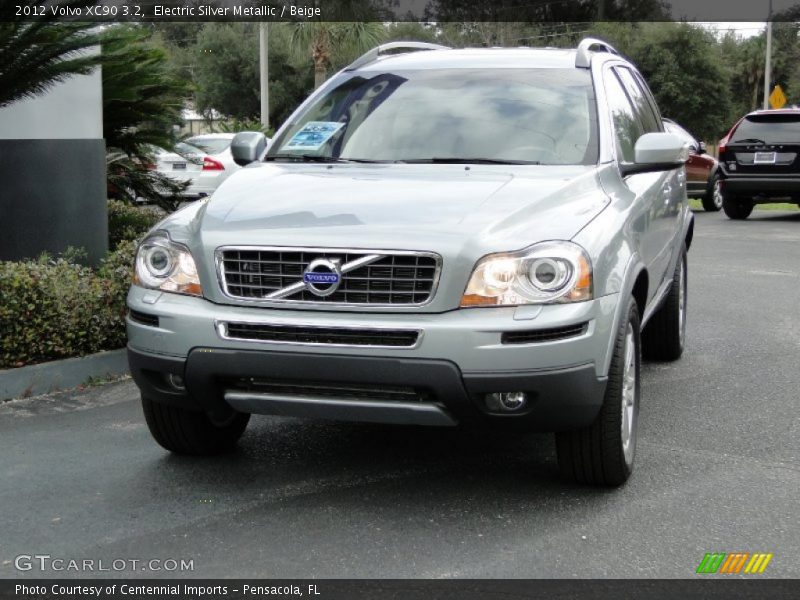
(54, 308)
(127, 222)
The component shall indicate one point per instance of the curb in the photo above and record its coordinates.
(34, 380)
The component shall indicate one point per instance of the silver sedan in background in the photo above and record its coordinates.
(204, 161)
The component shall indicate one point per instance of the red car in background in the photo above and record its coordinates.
(702, 177)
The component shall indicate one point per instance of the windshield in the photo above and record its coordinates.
(534, 116)
(185, 149)
(209, 145)
(770, 129)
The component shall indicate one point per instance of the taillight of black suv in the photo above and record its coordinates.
(760, 161)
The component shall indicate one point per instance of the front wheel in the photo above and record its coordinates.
(712, 201)
(602, 453)
(193, 432)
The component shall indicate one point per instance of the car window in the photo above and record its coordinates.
(649, 95)
(649, 119)
(676, 129)
(210, 145)
(185, 149)
(531, 115)
(772, 129)
(627, 128)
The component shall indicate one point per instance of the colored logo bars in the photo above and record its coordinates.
(735, 562)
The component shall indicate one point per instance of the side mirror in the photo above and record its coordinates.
(247, 147)
(657, 152)
(701, 148)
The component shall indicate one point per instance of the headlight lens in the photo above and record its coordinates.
(550, 272)
(162, 264)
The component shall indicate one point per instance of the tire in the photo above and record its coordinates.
(602, 454)
(735, 207)
(664, 335)
(192, 432)
(712, 201)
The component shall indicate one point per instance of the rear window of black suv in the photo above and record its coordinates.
(770, 129)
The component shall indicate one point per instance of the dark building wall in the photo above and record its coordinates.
(52, 196)
(52, 172)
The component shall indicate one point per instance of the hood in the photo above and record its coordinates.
(461, 213)
(439, 208)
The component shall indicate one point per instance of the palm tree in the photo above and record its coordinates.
(752, 68)
(142, 101)
(35, 55)
(331, 43)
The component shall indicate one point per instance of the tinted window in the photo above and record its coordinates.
(531, 115)
(627, 128)
(640, 102)
(772, 129)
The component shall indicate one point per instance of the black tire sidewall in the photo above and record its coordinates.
(708, 199)
(612, 403)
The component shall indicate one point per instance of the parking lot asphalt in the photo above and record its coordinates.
(718, 467)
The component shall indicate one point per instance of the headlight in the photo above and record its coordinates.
(161, 264)
(550, 272)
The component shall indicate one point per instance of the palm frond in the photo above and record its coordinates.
(36, 55)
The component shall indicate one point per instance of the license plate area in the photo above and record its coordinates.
(181, 166)
(764, 158)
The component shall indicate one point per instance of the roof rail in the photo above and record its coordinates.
(373, 54)
(584, 58)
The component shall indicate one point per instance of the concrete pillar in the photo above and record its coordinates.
(53, 172)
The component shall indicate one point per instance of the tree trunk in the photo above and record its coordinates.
(321, 55)
(320, 74)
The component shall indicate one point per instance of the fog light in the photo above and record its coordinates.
(176, 381)
(506, 401)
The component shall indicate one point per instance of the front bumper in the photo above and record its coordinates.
(559, 399)
(460, 357)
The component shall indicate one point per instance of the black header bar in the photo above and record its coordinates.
(439, 11)
(705, 587)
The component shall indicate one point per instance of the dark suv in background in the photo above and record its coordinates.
(760, 161)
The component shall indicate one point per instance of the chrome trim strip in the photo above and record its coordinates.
(221, 328)
(343, 409)
(220, 268)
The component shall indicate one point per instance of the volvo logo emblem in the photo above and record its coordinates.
(322, 276)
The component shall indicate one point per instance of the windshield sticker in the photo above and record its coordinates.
(313, 135)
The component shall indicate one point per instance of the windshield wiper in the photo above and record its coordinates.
(749, 141)
(307, 158)
(465, 161)
(323, 159)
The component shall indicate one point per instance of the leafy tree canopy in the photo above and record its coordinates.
(225, 65)
(684, 68)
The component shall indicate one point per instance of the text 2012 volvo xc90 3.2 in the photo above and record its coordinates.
(435, 237)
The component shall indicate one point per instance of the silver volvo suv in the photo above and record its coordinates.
(474, 237)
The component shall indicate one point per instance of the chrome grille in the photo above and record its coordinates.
(276, 274)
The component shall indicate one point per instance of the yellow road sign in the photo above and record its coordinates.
(777, 99)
